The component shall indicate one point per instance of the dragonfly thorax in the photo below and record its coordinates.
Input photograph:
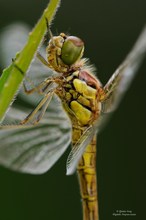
(64, 52)
(81, 97)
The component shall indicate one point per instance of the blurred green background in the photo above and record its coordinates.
(109, 29)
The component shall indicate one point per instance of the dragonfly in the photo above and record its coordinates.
(71, 106)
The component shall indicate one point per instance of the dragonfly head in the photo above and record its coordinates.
(64, 51)
(72, 50)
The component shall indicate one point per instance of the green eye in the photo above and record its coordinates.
(72, 50)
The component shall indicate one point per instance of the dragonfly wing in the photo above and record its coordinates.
(34, 149)
(12, 39)
(27, 148)
(122, 77)
(79, 148)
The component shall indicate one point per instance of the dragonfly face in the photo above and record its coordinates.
(64, 51)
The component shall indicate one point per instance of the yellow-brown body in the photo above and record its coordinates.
(88, 183)
(81, 95)
(81, 100)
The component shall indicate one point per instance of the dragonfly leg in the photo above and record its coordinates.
(49, 32)
(42, 59)
(28, 121)
(41, 88)
(26, 90)
(42, 106)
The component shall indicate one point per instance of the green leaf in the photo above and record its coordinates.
(12, 76)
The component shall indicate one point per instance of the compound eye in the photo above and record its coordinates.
(72, 50)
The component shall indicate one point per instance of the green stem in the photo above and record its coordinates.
(12, 77)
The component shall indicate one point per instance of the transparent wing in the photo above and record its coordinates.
(79, 148)
(12, 39)
(28, 148)
(34, 149)
(121, 79)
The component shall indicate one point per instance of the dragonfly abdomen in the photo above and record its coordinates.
(88, 184)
